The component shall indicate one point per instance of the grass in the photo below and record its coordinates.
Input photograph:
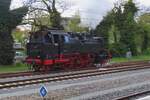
(135, 58)
(19, 67)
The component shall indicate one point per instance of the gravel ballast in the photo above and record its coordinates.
(103, 87)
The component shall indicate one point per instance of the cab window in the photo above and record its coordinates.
(35, 38)
(48, 38)
(66, 39)
(56, 38)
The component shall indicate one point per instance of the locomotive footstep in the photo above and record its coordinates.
(98, 65)
(102, 69)
(102, 65)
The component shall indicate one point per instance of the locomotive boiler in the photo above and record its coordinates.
(55, 49)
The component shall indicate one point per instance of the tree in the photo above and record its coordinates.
(144, 23)
(9, 19)
(120, 26)
(129, 29)
(48, 8)
(37, 19)
(103, 28)
(124, 21)
(74, 24)
(20, 36)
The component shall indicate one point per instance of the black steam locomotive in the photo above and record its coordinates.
(49, 49)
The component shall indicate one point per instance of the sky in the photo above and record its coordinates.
(91, 11)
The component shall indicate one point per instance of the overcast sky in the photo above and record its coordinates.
(91, 11)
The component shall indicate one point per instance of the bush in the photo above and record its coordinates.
(118, 50)
(6, 50)
(147, 52)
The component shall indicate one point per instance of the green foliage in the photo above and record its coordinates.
(55, 19)
(8, 21)
(6, 49)
(54, 15)
(118, 49)
(145, 41)
(146, 52)
(40, 20)
(129, 29)
(103, 28)
(45, 15)
(114, 35)
(74, 25)
(20, 36)
(143, 22)
(119, 28)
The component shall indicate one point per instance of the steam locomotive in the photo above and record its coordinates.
(50, 49)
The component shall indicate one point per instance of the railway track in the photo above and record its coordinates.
(16, 74)
(134, 95)
(31, 73)
(74, 75)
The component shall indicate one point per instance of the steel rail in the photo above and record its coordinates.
(132, 95)
(77, 75)
(31, 73)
